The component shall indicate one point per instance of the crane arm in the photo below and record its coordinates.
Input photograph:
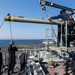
(43, 3)
(31, 20)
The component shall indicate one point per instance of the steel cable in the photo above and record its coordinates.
(11, 32)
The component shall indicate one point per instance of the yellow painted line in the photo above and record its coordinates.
(12, 18)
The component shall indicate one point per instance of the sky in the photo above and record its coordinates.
(28, 9)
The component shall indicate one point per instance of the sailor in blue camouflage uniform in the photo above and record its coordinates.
(11, 59)
(65, 17)
(71, 65)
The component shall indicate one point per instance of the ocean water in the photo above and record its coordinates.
(7, 42)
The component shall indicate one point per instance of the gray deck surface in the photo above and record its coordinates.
(59, 70)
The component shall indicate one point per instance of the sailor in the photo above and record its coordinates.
(11, 59)
(71, 65)
(65, 17)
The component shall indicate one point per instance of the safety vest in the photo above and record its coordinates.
(69, 18)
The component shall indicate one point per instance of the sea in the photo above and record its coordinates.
(19, 41)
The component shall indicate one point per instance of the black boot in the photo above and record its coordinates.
(8, 73)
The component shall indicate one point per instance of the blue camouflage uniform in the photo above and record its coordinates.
(65, 17)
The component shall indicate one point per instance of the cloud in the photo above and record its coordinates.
(2, 35)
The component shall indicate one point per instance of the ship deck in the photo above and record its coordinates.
(30, 49)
